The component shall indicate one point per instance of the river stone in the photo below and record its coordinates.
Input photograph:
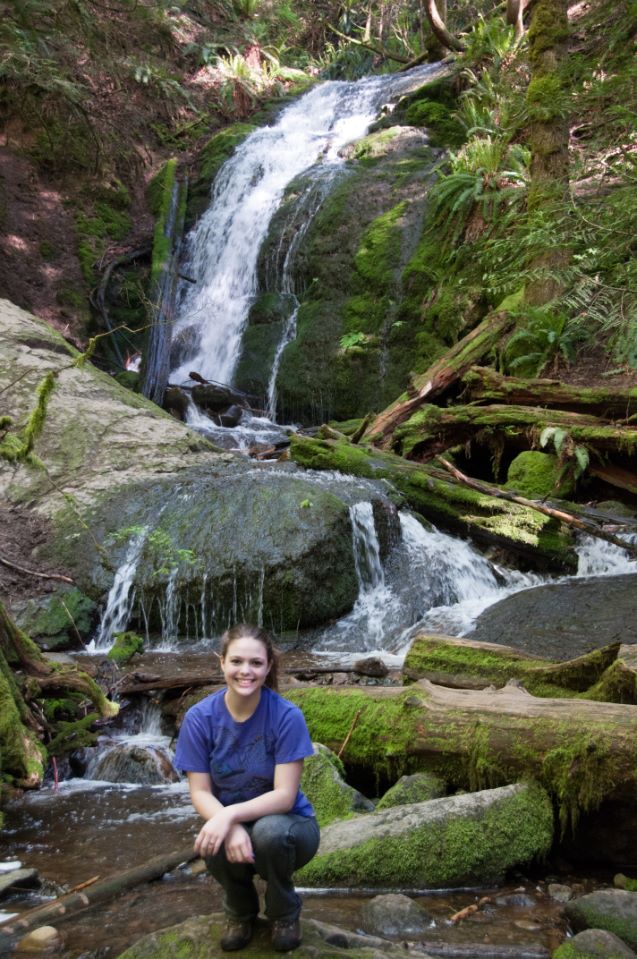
(198, 938)
(394, 916)
(420, 787)
(128, 763)
(559, 892)
(594, 944)
(41, 939)
(324, 785)
(472, 839)
(557, 618)
(612, 909)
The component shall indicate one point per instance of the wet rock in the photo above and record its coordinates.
(59, 620)
(557, 617)
(394, 916)
(594, 944)
(420, 843)
(43, 939)
(20, 878)
(324, 784)
(371, 666)
(176, 401)
(231, 416)
(620, 881)
(614, 910)
(559, 892)
(198, 938)
(421, 787)
(127, 763)
(515, 900)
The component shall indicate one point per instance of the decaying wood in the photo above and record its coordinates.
(484, 385)
(558, 514)
(441, 376)
(439, 29)
(90, 895)
(615, 476)
(33, 572)
(469, 910)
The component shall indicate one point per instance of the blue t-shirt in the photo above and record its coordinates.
(240, 757)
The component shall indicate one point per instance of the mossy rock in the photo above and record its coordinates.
(594, 944)
(538, 476)
(614, 910)
(198, 938)
(58, 620)
(125, 646)
(217, 150)
(470, 839)
(324, 785)
(420, 787)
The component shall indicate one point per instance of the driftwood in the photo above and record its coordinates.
(441, 377)
(33, 572)
(558, 514)
(87, 895)
(484, 385)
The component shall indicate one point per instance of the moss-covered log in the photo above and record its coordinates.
(21, 754)
(433, 429)
(582, 752)
(441, 376)
(540, 540)
(450, 661)
(484, 385)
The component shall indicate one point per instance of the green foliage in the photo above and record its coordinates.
(488, 43)
(126, 645)
(542, 336)
(17, 446)
(574, 458)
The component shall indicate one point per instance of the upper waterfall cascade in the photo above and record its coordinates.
(223, 248)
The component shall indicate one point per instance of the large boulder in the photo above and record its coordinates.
(214, 536)
(471, 839)
(594, 944)
(612, 909)
(198, 938)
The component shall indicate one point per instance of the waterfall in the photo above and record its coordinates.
(224, 247)
(121, 597)
(596, 557)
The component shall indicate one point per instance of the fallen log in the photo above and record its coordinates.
(433, 429)
(90, 895)
(490, 520)
(484, 385)
(441, 376)
(561, 515)
(582, 752)
(449, 660)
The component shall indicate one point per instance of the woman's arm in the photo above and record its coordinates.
(237, 842)
(221, 819)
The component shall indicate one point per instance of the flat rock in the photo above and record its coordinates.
(198, 938)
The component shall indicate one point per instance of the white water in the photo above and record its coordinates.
(599, 558)
(224, 246)
(121, 597)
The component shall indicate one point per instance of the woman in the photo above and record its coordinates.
(243, 749)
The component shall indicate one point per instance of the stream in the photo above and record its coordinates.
(101, 819)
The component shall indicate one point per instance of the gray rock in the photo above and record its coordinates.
(198, 938)
(394, 916)
(559, 892)
(594, 944)
(371, 666)
(420, 787)
(456, 841)
(614, 910)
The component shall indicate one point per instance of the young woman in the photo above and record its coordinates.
(243, 749)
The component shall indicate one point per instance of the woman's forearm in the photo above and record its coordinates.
(269, 804)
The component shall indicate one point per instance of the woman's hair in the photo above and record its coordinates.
(246, 631)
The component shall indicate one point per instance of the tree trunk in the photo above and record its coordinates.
(484, 385)
(548, 136)
(441, 377)
(582, 752)
(437, 24)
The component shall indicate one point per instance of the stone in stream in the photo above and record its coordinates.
(324, 784)
(394, 916)
(472, 839)
(594, 944)
(42, 939)
(420, 787)
(198, 938)
(612, 909)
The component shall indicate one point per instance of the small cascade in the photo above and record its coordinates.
(130, 762)
(121, 597)
(369, 568)
(596, 557)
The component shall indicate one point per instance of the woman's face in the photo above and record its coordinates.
(245, 666)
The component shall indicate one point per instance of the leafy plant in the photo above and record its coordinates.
(574, 458)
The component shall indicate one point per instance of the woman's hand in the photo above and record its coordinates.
(213, 833)
(238, 845)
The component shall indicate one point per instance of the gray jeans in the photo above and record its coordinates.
(281, 844)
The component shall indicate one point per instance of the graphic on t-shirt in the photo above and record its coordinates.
(252, 762)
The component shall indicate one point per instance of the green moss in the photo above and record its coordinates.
(161, 198)
(434, 855)
(62, 617)
(546, 99)
(420, 787)
(323, 784)
(220, 147)
(125, 647)
(623, 882)
(374, 145)
(538, 476)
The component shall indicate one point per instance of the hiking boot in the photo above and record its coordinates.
(286, 934)
(236, 935)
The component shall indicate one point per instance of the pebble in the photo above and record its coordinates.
(40, 940)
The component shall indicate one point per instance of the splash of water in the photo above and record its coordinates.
(596, 557)
(121, 597)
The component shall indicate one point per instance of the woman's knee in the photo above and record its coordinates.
(270, 834)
